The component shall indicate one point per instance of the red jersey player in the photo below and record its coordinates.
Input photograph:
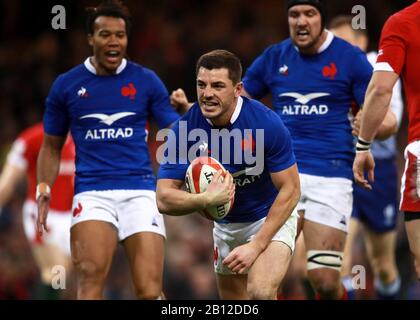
(399, 53)
(54, 247)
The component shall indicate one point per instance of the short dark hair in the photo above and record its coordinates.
(345, 20)
(218, 59)
(108, 8)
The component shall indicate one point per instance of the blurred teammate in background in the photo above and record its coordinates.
(376, 211)
(105, 103)
(53, 249)
(314, 78)
(399, 52)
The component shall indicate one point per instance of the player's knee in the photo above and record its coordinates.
(148, 288)
(89, 270)
(327, 290)
(150, 293)
(386, 270)
(326, 283)
(262, 292)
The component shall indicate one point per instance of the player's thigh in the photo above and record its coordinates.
(321, 237)
(269, 269)
(232, 287)
(145, 252)
(93, 245)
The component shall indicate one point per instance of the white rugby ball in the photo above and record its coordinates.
(199, 175)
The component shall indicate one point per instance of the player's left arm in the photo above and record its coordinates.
(288, 184)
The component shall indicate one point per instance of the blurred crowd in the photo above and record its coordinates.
(167, 36)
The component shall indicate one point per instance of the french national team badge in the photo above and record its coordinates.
(215, 255)
(129, 91)
(330, 71)
(77, 210)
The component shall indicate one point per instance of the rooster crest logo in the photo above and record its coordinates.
(77, 210)
(330, 71)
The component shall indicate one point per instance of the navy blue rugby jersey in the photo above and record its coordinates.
(313, 94)
(107, 117)
(254, 130)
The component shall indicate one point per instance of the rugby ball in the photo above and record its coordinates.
(199, 175)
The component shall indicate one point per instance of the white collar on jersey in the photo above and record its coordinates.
(235, 114)
(92, 69)
(326, 44)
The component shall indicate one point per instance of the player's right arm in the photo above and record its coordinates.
(48, 165)
(172, 200)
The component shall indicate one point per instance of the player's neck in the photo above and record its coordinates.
(100, 69)
(315, 48)
(225, 118)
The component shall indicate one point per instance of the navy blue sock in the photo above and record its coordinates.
(387, 291)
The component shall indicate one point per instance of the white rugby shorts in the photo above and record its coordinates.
(130, 211)
(228, 236)
(325, 200)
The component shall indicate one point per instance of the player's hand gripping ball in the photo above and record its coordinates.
(198, 177)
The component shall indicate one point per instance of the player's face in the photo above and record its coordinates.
(109, 43)
(305, 28)
(217, 95)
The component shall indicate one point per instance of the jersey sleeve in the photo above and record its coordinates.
(254, 80)
(361, 71)
(392, 46)
(279, 153)
(159, 103)
(172, 164)
(56, 118)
